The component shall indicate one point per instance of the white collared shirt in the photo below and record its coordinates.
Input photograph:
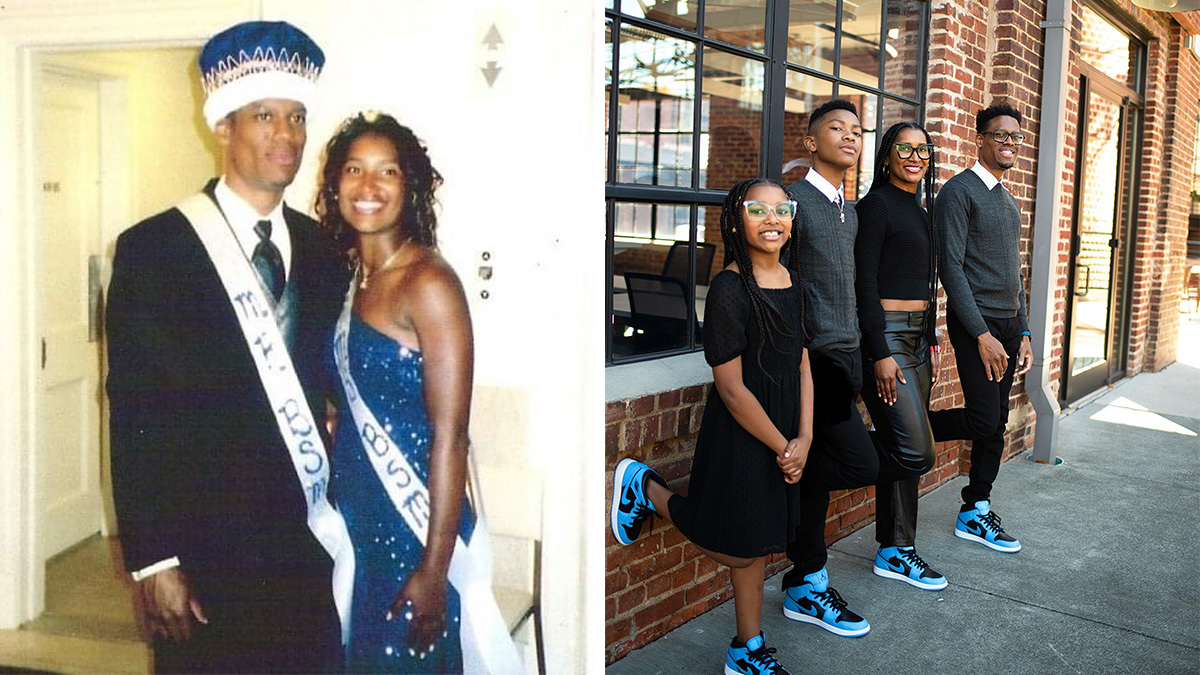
(834, 194)
(989, 179)
(243, 217)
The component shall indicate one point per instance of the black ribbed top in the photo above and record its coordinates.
(894, 259)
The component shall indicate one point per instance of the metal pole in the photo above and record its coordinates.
(1046, 226)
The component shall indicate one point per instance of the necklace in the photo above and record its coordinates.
(366, 274)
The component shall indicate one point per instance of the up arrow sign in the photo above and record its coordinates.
(492, 39)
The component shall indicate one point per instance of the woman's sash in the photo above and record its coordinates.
(256, 316)
(486, 644)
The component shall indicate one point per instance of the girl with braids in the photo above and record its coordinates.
(896, 288)
(406, 348)
(742, 502)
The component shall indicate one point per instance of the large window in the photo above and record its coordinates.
(700, 94)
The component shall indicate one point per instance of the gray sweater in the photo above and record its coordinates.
(979, 232)
(823, 252)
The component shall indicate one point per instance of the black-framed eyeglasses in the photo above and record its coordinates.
(756, 210)
(1002, 136)
(904, 150)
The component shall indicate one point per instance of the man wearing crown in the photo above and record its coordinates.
(219, 309)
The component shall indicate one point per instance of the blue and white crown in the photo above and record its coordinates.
(255, 60)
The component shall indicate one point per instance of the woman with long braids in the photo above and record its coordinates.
(743, 501)
(896, 289)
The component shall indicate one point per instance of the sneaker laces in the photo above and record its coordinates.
(991, 521)
(832, 599)
(762, 657)
(910, 556)
(642, 509)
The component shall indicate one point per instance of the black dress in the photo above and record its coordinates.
(738, 503)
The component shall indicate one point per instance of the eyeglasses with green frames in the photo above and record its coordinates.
(904, 150)
(1002, 136)
(756, 210)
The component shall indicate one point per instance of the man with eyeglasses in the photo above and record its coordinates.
(979, 231)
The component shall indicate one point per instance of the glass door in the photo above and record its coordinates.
(1094, 352)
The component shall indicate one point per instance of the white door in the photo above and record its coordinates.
(67, 473)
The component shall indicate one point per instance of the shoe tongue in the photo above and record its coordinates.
(755, 643)
(983, 507)
(819, 580)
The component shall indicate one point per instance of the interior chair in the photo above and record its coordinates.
(510, 498)
(676, 264)
(658, 309)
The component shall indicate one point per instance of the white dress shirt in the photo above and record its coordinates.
(242, 218)
(835, 194)
(989, 179)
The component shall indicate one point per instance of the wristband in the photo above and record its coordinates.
(1025, 333)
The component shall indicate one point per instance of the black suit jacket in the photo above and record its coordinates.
(199, 468)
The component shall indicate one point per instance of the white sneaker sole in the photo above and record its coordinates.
(618, 482)
(980, 540)
(731, 671)
(884, 572)
(804, 618)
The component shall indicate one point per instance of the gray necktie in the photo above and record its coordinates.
(267, 261)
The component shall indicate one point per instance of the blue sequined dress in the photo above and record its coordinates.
(389, 378)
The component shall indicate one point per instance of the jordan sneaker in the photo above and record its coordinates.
(980, 524)
(630, 505)
(903, 563)
(813, 601)
(752, 658)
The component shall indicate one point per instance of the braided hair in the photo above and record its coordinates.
(768, 317)
(418, 221)
(926, 195)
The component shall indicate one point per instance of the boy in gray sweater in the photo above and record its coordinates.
(842, 455)
(979, 230)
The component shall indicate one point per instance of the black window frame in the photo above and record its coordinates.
(771, 158)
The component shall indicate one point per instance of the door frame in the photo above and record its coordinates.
(1124, 211)
(26, 31)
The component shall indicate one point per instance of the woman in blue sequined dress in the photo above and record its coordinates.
(410, 352)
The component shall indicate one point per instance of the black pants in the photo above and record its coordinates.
(843, 456)
(901, 429)
(983, 419)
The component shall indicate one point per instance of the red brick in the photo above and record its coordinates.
(630, 599)
(668, 399)
(659, 610)
(641, 406)
(655, 564)
(614, 411)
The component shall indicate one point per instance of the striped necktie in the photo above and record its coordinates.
(267, 261)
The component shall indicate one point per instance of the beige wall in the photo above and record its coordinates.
(170, 152)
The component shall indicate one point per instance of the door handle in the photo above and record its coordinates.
(43, 353)
(1087, 280)
(94, 298)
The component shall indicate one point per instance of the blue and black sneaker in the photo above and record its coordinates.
(903, 563)
(980, 524)
(813, 601)
(752, 658)
(630, 505)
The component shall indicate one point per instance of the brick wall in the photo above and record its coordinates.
(979, 52)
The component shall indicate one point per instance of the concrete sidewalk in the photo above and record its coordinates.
(1108, 580)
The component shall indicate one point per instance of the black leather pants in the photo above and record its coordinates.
(902, 431)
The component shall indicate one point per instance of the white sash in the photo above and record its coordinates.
(487, 646)
(255, 313)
